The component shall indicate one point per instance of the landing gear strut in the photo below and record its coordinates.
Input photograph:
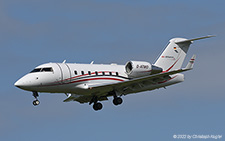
(97, 105)
(36, 101)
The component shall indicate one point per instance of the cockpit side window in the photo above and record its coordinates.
(36, 70)
(46, 70)
(49, 69)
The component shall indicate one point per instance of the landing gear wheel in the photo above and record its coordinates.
(97, 106)
(36, 102)
(117, 101)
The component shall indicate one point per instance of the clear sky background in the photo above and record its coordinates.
(33, 32)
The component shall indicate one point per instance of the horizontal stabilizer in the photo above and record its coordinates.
(191, 63)
(190, 40)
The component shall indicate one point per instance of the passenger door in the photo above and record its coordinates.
(65, 72)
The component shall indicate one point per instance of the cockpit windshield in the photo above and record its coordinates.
(42, 70)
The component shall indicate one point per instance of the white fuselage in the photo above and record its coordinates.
(77, 78)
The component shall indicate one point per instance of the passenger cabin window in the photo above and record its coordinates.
(117, 73)
(110, 73)
(89, 72)
(103, 73)
(49, 69)
(82, 72)
(75, 72)
(96, 73)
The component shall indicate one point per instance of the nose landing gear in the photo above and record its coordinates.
(36, 101)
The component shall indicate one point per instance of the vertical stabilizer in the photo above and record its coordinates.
(173, 56)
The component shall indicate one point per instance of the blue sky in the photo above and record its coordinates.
(36, 32)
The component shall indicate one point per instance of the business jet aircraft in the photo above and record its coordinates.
(91, 83)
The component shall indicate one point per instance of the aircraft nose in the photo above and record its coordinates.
(23, 82)
(19, 83)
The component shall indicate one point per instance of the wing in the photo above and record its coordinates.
(102, 90)
(82, 98)
(160, 76)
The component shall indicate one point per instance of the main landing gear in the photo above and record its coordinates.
(36, 101)
(97, 105)
(117, 100)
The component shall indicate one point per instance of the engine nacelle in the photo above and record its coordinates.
(139, 68)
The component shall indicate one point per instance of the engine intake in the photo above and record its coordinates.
(140, 68)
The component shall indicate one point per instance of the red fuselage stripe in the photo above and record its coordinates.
(88, 79)
(97, 79)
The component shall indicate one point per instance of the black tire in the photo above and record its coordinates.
(117, 101)
(36, 102)
(97, 106)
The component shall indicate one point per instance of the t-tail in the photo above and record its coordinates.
(173, 56)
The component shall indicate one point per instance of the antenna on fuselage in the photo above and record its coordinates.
(64, 61)
(92, 62)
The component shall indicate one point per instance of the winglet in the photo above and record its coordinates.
(190, 40)
(191, 63)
